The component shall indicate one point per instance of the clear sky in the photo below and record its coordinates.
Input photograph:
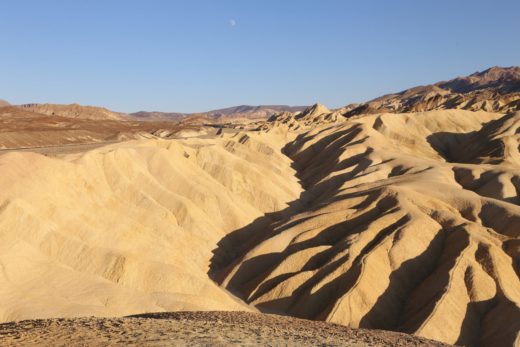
(191, 56)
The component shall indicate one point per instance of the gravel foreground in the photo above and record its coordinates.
(197, 329)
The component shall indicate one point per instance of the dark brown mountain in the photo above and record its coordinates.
(496, 89)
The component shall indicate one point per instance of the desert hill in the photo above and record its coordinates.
(501, 80)
(253, 112)
(4, 103)
(495, 90)
(408, 222)
(308, 118)
(23, 127)
(130, 227)
(74, 111)
(413, 231)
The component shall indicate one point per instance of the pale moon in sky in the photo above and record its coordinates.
(232, 22)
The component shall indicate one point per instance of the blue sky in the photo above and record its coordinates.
(192, 56)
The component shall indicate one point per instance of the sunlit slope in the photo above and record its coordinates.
(131, 227)
(406, 222)
(409, 222)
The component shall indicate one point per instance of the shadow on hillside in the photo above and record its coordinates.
(233, 247)
(469, 147)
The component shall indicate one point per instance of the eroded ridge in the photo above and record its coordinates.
(395, 231)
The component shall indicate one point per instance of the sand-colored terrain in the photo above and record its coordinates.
(130, 227)
(407, 222)
(198, 329)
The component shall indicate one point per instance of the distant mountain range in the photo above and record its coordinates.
(242, 111)
(496, 89)
(101, 113)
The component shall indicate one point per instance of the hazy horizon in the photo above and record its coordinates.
(200, 55)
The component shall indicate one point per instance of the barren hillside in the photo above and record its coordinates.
(130, 227)
(408, 222)
(495, 90)
(413, 231)
(23, 127)
(74, 111)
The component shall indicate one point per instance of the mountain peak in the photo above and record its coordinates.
(315, 110)
(497, 72)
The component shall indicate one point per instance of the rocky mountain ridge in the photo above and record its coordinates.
(496, 89)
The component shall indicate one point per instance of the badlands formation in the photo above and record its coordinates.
(408, 222)
(130, 227)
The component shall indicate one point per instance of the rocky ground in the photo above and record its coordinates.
(197, 329)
